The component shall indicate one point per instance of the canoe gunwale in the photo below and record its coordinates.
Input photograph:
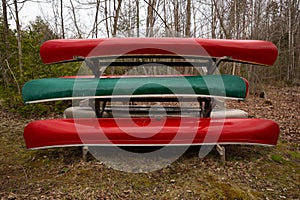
(227, 58)
(140, 88)
(144, 98)
(246, 51)
(110, 132)
(152, 145)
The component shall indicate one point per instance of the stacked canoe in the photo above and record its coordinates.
(88, 126)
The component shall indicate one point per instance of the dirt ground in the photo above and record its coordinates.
(250, 172)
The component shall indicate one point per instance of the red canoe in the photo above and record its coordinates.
(149, 132)
(248, 51)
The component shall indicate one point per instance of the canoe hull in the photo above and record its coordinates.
(143, 111)
(149, 132)
(248, 51)
(70, 88)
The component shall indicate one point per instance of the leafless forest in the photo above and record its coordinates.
(250, 172)
(273, 20)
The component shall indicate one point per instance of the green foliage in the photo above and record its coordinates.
(295, 155)
(13, 101)
(278, 158)
(33, 68)
(40, 110)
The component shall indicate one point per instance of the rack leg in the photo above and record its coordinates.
(85, 151)
(221, 151)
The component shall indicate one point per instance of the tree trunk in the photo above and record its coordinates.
(116, 18)
(5, 40)
(167, 32)
(5, 21)
(176, 17)
(188, 19)
(194, 20)
(289, 39)
(95, 26)
(137, 19)
(106, 19)
(149, 19)
(214, 21)
(20, 54)
(56, 15)
(221, 19)
(62, 20)
(75, 20)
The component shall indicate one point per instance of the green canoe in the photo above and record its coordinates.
(75, 88)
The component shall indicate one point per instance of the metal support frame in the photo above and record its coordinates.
(221, 151)
(85, 151)
(217, 63)
(205, 104)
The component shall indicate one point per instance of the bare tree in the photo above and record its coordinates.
(176, 16)
(95, 26)
(213, 20)
(116, 18)
(106, 18)
(62, 19)
(188, 19)
(5, 39)
(274, 20)
(5, 22)
(18, 27)
(150, 20)
(75, 19)
(56, 15)
(137, 18)
(293, 11)
(220, 9)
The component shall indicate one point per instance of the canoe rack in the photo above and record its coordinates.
(202, 55)
(205, 106)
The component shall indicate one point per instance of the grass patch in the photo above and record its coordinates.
(277, 158)
(295, 155)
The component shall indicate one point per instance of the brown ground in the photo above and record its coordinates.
(250, 172)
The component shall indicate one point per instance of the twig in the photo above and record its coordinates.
(12, 73)
(26, 177)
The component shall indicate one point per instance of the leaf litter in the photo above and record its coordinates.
(250, 172)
